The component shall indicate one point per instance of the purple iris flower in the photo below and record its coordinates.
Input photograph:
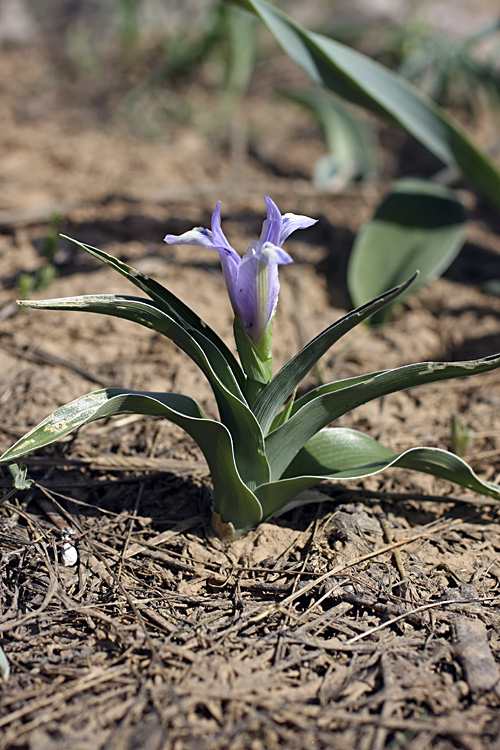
(252, 280)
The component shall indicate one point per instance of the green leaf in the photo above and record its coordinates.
(289, 377)
(462, 437)
(145, 313)
(359, 80)
(419, 225)
(257, 360)
(233, 501)
(169, 303)
(339, 453)
(20, 479)
(235, 414)
(241, 32)
(338, 385)
(350, 154)
(285, 413)
(283, 444)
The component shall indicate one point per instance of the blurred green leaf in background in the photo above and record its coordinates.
(356, 78)
(419, 226)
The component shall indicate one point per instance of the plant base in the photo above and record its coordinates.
(225, 531)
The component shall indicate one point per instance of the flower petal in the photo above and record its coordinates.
(198, 236)
(271, 227)
(269, 253)
(213, 239)
(291, 222)
(256, 292)
(257, 287)
(229, 258)
(218, 236)
(252, 281)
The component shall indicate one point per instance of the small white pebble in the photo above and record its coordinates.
(69, 555)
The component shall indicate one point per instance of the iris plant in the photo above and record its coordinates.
(267, 448)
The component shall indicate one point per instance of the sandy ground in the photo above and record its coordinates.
(369, 620)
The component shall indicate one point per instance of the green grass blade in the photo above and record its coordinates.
(167, 302)
(283, 444)
(233, 501)
(289, 377)
(340, 453)
(359, 80)
(419, 225)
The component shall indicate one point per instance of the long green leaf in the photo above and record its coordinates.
(357, 79)
(169, 303)
(289, 377)
(350, 152)
(338, 385)
(339, 453)
(283, 444)
(418, 225)
(143, 312)
(235, 414)
(233, 501)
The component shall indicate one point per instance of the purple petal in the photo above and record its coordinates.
(198, 236)
(256, 294)
(271, 227)
(257, 286)
(291, 222)
(269, 253)
(229, 258)
(218, 236)
(213, 239)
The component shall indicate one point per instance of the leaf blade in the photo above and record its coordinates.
(291, 374)
(417, 225)
(236, 415)
(232, 499)
(168, 302)
(283, 444)
(359, 80)
(350, 152)
(143, 312)
(341, 453)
